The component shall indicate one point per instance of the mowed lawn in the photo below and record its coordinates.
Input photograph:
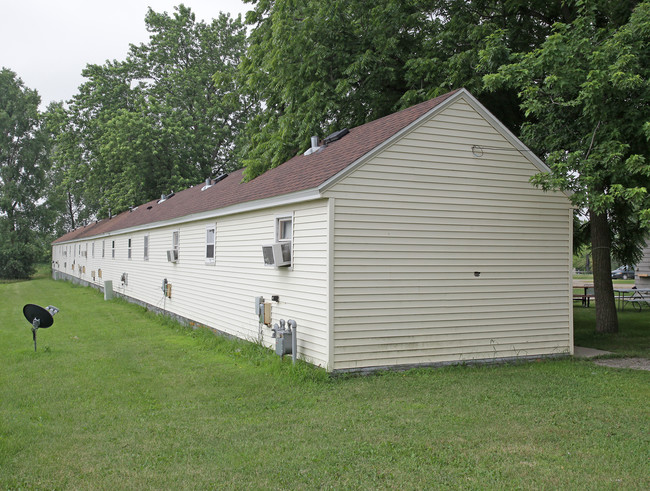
(118, 398)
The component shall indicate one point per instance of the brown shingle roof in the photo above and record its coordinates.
(298, 174)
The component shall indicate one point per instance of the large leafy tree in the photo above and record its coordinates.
(163, 119)
(321, 66)
(586, 93)
(23, 166)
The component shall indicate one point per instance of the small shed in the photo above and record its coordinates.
(415, 239)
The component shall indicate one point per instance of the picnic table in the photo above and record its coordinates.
(639, 298)
(587, 295)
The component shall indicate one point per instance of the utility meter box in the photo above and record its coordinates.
(259, 308)
(267, 313)
(283, 344)
(108, 290)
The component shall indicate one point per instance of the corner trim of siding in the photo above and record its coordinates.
(331, 216)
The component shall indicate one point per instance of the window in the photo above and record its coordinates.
(113, 249)
(284, 229)
(92, 253)
(176, 244)
(103, 248)
(146, 247)
(210, 236)
(128, 249)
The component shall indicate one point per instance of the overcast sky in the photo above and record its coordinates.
(48, 42)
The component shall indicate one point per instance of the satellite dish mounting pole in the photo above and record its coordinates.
(35, 325)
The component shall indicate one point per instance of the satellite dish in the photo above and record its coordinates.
(39, 317)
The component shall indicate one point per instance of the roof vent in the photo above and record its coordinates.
(208, 183)
(314, 146)
(164, 197)
(337, 135)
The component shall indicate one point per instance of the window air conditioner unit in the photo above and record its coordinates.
(172, 255)
(278, 254)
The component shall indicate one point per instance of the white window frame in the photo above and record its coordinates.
(103, 249)
(92, 250)
(279, 229)
(213, 228)
(146, 247)
(129, 249)
(176, 243)
(113, 249)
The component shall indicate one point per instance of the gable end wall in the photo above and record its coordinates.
(413, 225)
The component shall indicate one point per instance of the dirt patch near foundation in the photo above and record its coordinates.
(633, 363)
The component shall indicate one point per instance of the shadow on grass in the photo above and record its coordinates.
(633, 338)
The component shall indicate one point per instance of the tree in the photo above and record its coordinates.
(187, 71)
(165, 118)
(23, 164)
(321, 66)
(457, 50)
(586, 94)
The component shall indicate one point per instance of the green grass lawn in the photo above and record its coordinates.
(117, 398)
(633, 338)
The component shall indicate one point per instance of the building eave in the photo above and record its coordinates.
(273, 202)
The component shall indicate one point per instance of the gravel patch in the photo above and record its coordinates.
(633, 363)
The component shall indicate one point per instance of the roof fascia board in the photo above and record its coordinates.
(386, 143)
(285, 199)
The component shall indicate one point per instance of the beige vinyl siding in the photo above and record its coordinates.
(642, 269)
(415, 222)
(221, 295)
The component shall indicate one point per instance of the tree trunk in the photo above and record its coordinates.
(606, 316)
(71, 211)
